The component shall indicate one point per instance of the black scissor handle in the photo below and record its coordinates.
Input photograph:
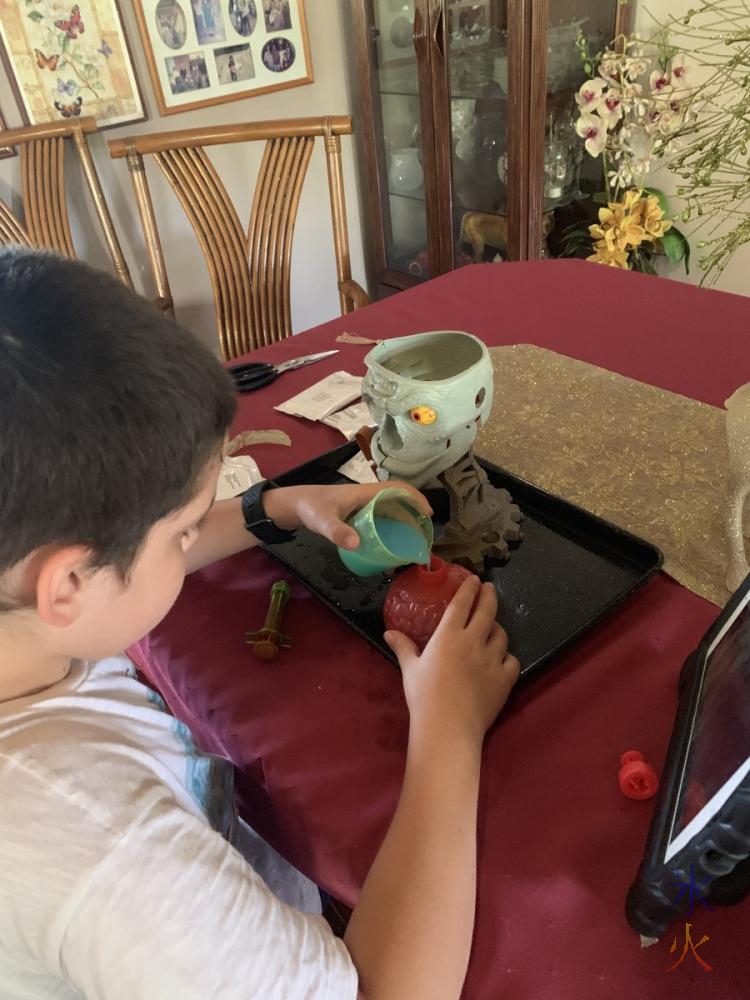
(237, 371)
(254, 376)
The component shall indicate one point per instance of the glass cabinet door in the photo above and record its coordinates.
(569, 176)
(478, 87)
(397, 105)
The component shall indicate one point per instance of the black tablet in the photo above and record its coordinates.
(698, 847)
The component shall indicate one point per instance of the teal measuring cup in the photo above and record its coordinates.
(392, 532)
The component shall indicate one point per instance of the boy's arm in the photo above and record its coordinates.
(222, 534)
(410, 934)
(322, 509)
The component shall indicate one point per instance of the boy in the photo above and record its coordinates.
(118, 874)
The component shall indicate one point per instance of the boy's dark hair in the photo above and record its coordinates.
(109, 411)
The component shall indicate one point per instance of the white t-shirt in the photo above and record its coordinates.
(116, 882)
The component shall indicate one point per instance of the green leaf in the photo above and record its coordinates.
(98, 85)
(676, 247)
(65, 43)
(600, 198)
(34, 15)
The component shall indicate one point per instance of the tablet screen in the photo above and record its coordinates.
(718, 757)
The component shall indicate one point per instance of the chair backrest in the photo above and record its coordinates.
(249, 267)
(45, 212)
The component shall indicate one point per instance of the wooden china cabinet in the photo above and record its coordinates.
(466, 123)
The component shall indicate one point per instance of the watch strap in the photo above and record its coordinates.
(257, 521)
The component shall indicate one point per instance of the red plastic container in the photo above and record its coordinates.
(418, 597)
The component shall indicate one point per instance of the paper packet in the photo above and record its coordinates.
(325, 397)
(236, 475)
(350, 420)
(358, 469)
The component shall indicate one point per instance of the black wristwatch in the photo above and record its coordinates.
(256, 519)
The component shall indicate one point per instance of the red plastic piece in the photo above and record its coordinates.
(417, 599)
(638, 780)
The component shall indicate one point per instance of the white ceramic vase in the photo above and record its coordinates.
(404, 171)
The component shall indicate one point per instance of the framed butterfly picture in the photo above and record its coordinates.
(66, 59)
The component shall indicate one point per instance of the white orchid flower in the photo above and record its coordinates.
(593, 130)
(635, 67)
(590, 96)
(610, 67)
(611, 109)
(680, 77)
(671, 118)
(660, 83)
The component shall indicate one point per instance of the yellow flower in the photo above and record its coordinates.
(631, 232)
(654, 223)
(612, 215)
(624, 225)
(632, 199)
(617, 230)
(611, 257)
(607, 236)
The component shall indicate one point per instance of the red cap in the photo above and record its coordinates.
(637, 779)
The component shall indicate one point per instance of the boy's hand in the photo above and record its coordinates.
(462, 679)
(324, 509)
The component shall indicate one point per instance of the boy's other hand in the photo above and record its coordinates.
(459, 683)
(324, 509)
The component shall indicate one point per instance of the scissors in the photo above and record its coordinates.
(256, 374)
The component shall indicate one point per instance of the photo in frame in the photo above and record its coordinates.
(204, 52)
(68, 59)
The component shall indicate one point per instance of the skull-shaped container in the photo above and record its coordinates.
(429, 394)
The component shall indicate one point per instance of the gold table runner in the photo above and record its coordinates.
(650, 461)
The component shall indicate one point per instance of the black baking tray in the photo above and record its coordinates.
(569, 571)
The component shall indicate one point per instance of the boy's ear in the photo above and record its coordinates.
(61, 578)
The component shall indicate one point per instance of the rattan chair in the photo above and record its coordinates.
(45, 212)
(249, 268)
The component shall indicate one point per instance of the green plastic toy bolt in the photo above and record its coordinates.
(267, 641)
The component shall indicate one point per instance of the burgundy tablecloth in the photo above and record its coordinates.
(318, 737)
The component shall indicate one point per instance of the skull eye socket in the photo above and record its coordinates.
(423, 415)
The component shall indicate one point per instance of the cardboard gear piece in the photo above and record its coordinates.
(483, 517)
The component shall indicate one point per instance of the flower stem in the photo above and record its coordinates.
(605, 166)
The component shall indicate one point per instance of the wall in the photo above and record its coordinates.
(736, 277)
(314, 294)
